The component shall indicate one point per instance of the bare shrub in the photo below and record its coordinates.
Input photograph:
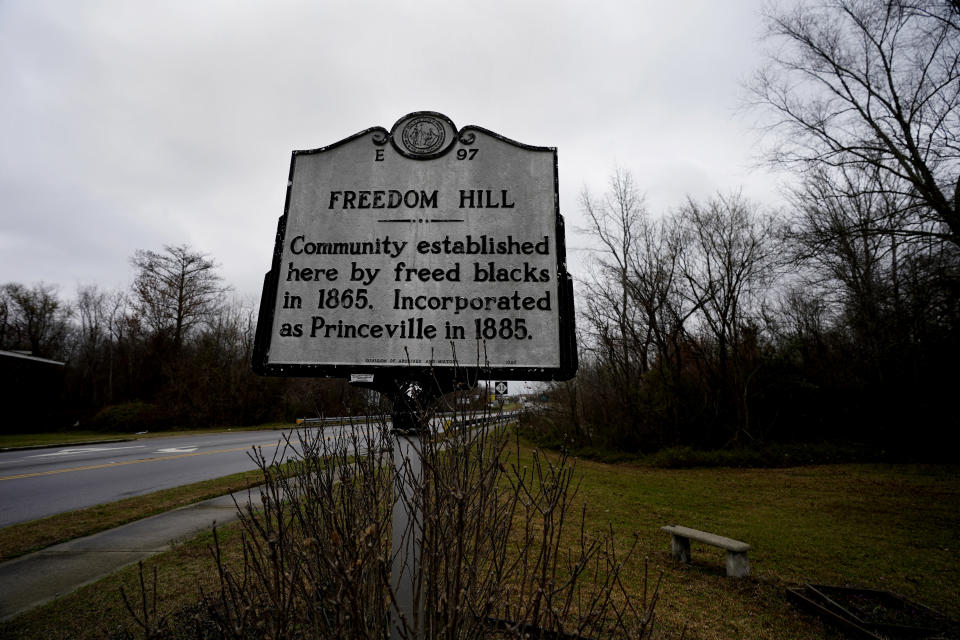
(491, 548)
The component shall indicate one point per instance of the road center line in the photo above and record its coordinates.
(120, 464)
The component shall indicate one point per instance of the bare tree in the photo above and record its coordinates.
(616, 221)
(872, 84)
(35, 319)
(893, 293)
(617, 336)
(6, 326)
(656, 286)
(728, 265)
(175, 290)
(838, 231)
(101, 315)
(92, 311)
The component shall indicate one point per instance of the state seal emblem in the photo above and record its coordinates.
(423, 135)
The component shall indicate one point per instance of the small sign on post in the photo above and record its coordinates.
(500, 388)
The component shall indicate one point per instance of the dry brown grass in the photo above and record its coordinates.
(31, 536)
(893, 527)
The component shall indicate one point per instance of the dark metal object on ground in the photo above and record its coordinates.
(872, 614)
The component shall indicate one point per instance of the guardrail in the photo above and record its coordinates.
(488, 418)
(448, 418)
(334, 419)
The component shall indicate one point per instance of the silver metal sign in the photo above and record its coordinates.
(422, 247)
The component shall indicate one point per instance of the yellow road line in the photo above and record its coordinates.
(120, 464)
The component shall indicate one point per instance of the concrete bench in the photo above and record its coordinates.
(737, 564)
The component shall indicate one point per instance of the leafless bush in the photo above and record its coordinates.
(492, 548)
(144, 609)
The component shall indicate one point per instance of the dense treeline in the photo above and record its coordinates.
(839, 318)
(173, 350)
(720, 324)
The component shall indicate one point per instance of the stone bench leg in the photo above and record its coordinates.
(737, 564)
(680, 547)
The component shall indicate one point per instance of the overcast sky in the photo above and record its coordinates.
(128, 125)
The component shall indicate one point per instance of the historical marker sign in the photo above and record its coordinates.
(423, 246)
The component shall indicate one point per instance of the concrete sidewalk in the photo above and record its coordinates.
(37, 578)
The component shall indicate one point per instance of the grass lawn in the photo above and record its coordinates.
(26, 537)
(14, 440)
(53, 438)
(894, 527)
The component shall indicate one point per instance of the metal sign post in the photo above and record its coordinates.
(407, 543)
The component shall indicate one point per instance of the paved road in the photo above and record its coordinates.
(43, 482)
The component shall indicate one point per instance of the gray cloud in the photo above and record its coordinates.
(131, 125)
